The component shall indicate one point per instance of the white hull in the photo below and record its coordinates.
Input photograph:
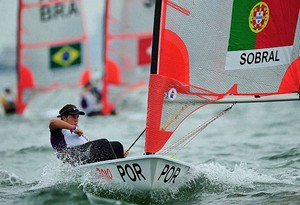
(143, 173)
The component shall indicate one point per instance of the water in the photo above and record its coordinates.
(251, 155)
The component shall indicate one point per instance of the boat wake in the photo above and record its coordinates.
(238, 177)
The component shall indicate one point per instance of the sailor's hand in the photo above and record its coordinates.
(126, 153)
(78, 131)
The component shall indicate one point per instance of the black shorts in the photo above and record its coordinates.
(93, 151)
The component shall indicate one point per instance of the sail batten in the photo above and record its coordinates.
(54, 43)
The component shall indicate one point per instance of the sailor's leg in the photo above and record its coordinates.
(118, 149)
(99, 150)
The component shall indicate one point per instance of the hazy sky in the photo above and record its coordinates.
(8, 19)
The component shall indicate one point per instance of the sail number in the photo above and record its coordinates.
(169, 173)
(57, 10)
(134, 172)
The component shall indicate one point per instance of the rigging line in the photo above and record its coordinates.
(136, 140)
(187, 138)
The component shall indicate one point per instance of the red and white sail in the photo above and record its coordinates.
(127, 48)
(52, 47)
(211, 50)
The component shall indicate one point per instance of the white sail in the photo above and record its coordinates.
(128, 38)
(219, 51)
(52, 47)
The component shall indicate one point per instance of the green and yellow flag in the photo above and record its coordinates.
(65, 56)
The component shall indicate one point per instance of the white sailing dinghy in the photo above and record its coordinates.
(207, 52)
(52, 48)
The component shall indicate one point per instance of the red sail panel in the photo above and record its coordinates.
(291, 79)
(155, 137)
(144, 50)
(25, 81)
(170, 102)
(174, 55)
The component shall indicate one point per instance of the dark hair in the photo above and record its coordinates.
(69, 109)
(87, 84)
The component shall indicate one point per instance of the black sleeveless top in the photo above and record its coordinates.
(57, 139)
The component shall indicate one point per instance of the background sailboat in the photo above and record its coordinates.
(127, 49)
(52, 48)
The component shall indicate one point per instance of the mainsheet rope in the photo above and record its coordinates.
(136, 140)
(190, 136)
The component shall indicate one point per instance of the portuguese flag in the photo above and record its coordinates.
(263, 24)
(65, 56)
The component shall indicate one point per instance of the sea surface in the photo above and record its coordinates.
(251, 155)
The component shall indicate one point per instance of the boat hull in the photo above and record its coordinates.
(143, 173)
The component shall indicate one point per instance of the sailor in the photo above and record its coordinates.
(8, 100)
(72, 146)
(89, 100)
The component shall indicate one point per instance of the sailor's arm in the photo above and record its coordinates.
(60, 124)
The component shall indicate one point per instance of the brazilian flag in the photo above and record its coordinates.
(65, 56)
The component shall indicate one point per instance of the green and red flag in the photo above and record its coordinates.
(261, 32)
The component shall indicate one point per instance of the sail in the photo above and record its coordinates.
(207, 51)
(52, 47)
(127, 48)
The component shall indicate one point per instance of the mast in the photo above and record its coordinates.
(104, 99)
(156, 35)
(19, 92)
